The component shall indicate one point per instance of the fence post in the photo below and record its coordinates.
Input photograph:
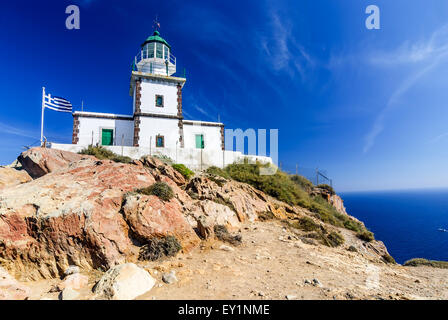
(201, 159)
(122, 138)
(92, 139)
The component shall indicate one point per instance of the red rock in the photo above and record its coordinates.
(40, 161)
(150, 217)
(12, 177)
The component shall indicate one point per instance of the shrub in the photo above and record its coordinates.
(217, 172)
(159, 189)
(165, 159)
(388, 259)
(293, 191)
(183, 170)
(223, 234)
(102, 153)
(303, 182)
(278, 185)
(265, 216)
(352, 249)
(334, 239)
(424, 262)
(327, 187)
(305, 224)
(366, 236)
(160, 247)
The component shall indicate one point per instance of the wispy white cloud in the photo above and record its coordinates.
(282, 52)
(7, 129)
(429, 54)
(439, 137)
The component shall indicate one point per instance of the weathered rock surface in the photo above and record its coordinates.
(69, 294)
(11, 177)
(10, 288)
(246, 201)
(68, 217)
(74, 281)
(149, 217)
(159, 168)
(40, 161)
(124, 282)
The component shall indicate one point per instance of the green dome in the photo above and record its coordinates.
(156, 38)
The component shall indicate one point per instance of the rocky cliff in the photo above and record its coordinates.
(85, 212)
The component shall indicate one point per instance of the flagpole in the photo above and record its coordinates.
(42, 118)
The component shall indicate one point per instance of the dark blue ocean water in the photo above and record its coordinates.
(406, 221)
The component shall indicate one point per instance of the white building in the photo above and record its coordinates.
(157, 125)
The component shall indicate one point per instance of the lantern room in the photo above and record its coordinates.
(155, 57)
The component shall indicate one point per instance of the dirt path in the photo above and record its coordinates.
(273, 263)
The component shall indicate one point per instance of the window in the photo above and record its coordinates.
(159, 101)
(107, 137)
(165, 49)
(160, 141)
(148, 51)
(159, 50)
(200, 141)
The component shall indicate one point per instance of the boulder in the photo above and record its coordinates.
(69, 294)
(124, 282)
(11, 177)
(170, 277)
(74, 281)
(149, 217)
(205, 227)
(71, 270)
(246, 201)
(158, 167)
(10, 288)
(40, 161)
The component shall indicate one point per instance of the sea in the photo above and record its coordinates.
(411, 223)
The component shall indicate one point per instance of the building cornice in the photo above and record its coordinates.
(81, 114)
(203, 123)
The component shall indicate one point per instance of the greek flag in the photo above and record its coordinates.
(57, 103)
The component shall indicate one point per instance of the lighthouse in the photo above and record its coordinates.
(156, 125)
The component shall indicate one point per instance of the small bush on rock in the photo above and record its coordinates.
(183, 170)
(160, 247)
(159, 189)
(102, 153)
(217, 172)
(366, 236)
(424, 262)
(389, 259)
(265, 216)
(328, 188)
(335, 239)
(223, 234)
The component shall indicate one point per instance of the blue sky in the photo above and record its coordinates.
(368, 106)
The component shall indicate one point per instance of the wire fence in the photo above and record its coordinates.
(315, 175)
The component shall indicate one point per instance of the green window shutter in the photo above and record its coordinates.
(200, 141)
(107, 137)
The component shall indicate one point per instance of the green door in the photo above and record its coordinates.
(200, 141)
(107, 137)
